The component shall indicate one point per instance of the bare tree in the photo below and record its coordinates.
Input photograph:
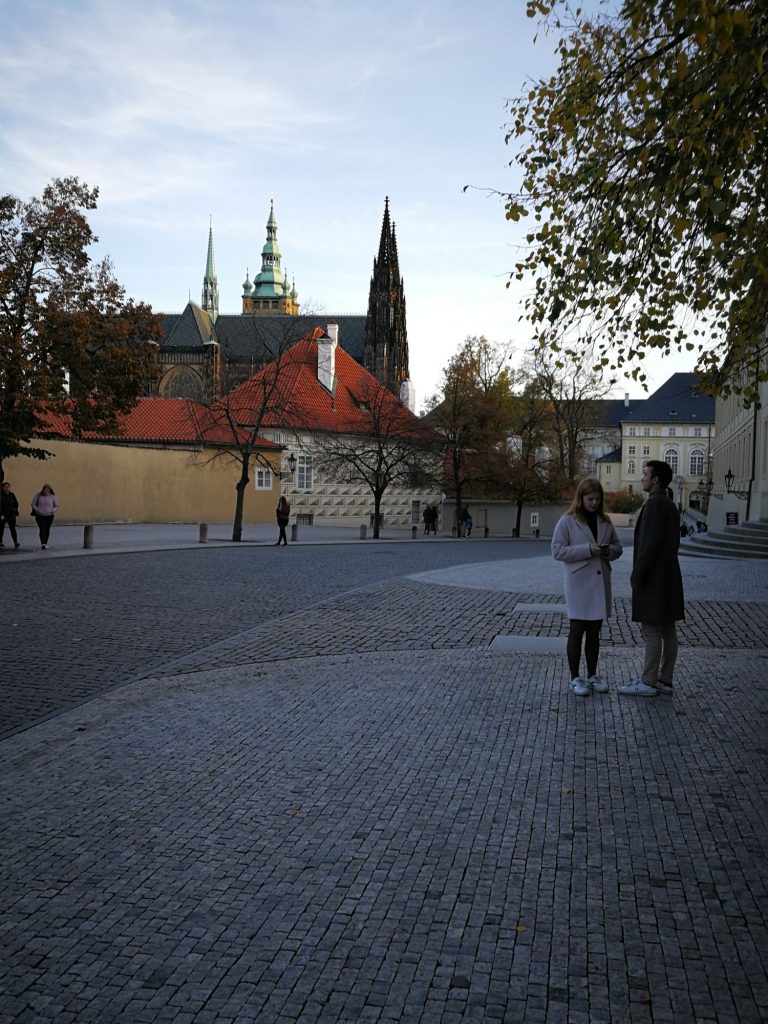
(382, 445)
(573, 388)
(266, 398)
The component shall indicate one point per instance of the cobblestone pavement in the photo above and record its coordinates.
(358, 812)
(74, 627)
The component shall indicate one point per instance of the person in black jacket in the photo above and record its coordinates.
(9, 513)
(657, 583)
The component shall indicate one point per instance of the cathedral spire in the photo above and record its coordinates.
(210, 301)
(270, 292)
(385, 351)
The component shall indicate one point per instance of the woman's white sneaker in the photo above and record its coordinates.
(598, 685)
(580, 687)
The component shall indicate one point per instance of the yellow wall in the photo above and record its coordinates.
(102, 483)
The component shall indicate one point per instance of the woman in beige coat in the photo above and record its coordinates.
(586, 542)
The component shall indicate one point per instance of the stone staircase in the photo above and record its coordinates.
(747, 540)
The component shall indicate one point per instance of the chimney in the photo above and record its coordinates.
(626, 399)
(326, 358)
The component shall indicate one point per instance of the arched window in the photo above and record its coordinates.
(697, 463)
(670, 456)
(182, 382)
(630, 467)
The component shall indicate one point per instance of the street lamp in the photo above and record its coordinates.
(729, 490)
(705, 489)
(680, 480)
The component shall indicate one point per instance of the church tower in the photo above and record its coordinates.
(271, 292)
(210, 301)
(385, 352)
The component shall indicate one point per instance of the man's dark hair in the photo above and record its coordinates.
(661, 471)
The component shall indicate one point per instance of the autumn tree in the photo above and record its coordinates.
(527, 472)
(384, 444)
(472, 415)
(69, 339)
(644, 163)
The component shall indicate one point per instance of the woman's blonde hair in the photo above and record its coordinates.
(589, 485)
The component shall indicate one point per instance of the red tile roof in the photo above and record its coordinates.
(294, 397)
(157, 420)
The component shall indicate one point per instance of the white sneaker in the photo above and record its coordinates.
(598, 685)
(580, 687)
(637, 689)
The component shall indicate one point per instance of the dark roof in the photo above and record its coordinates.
(676, 401)
(614, 456)
(243, 337)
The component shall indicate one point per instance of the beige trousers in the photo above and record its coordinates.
(660, 651)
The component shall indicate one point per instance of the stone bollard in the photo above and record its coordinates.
(88, 536)
(363, 532)
(294, 532)
(203, 537)
(414, 531)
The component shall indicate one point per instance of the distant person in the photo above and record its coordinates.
(468, 525)
(463, 516)
(283, 514)
(585, 541)
(9, 513)
(44, 507)
(683, 530)
(657, 584)
(427, 517)
(433, 514)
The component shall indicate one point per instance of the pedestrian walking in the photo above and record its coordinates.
(433, 514)
(9, 513)
(44, 506)
(427, 517)
(463, 517)
(657, 583)
(586, 542)
(283, 514)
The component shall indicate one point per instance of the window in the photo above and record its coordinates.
(670, 456)
(631, 450)
(697, 463)
(630, 467)
(632, 431)
(697, 431)
(263, 479)
(646, 451)
(646, 431)
(671, 431)
(304, 473)
(608, 470)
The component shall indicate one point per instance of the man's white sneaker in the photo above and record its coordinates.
(580, 687)
(637, 689)
(598, 685)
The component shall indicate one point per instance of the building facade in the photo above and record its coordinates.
(676, 424)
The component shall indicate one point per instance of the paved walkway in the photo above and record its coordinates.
(367, 811)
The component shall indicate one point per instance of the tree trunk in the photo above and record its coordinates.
(519, 518)
(376, 514)
(240, 486)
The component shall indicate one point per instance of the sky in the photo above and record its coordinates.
(201, 111)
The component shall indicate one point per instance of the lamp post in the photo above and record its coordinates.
(729, 478)
(705, 489)
(680, 480)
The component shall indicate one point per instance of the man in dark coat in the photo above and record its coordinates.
(657, 584)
